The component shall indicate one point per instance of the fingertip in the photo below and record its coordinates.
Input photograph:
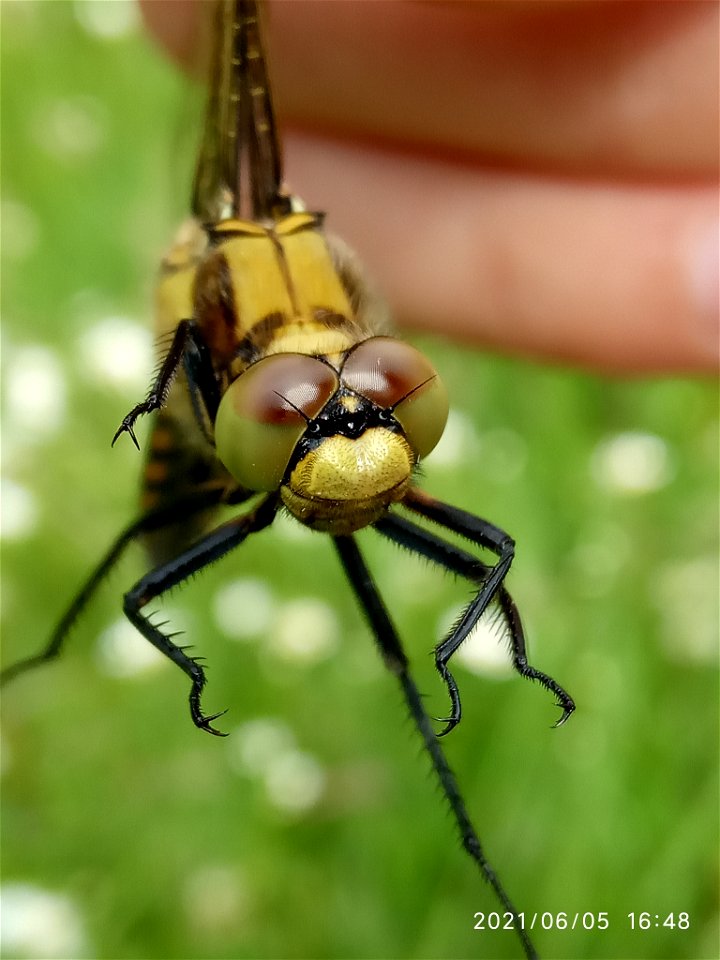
(616, 277)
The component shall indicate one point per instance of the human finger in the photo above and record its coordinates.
(620, 277)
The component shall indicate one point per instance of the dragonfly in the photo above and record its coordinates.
(280, 387)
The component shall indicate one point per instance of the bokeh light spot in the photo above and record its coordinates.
(71, 128)
(632, 463)
(107, 21)
(216, 900)
(18, 511)
(117, 351)
(305, 631)
(123, 652)
(255, 743)
(295, 782)
(243, 608)
(38, 923)
(35, 389)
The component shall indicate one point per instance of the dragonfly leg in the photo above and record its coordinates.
(187, 348)
(489, 581)
(520, 662)
(157, 519)
(394, 656)
(205, 551)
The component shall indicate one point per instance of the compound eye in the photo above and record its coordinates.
(264, 414)
(399, 378)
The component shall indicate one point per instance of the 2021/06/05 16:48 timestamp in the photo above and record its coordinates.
(587, 921)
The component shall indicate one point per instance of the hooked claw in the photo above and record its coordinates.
(129, 422)
(567, 705)
(205, 723)
(450, 724)
(125, 427)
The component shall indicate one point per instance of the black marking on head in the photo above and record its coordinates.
(336, 420)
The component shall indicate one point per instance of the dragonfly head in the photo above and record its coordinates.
(339, 444)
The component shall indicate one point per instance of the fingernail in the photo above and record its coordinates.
(705, 285)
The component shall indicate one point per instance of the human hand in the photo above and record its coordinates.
(538, 178)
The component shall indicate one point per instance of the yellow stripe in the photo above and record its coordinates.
(283, 270)
(258, 284)
(313, 339)
(313, 273)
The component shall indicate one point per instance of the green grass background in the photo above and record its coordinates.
(113, 798)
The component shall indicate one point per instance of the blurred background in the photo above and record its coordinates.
(314, 829)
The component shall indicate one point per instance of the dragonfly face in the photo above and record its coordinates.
(339, 434)
(279, 386)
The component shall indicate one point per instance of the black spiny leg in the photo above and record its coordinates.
(488, 579)
(158, 519)
(186, 348)
(207, 550)
(389, 643)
